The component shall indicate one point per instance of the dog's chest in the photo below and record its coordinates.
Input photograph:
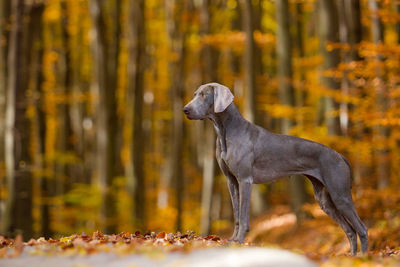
(236, 154)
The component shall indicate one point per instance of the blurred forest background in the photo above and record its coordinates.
(91, 95)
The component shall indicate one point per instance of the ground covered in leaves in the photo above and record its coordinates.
(317, 237)
(322, 240)
(123, 243)
(150, 249)
(157, 245)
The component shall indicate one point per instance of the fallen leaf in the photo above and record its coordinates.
(161, 235)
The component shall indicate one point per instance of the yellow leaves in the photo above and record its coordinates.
(387, 121)
(231, 4)
(49, 60)
(235, 40)
(264, 39)
(163, 115)
(361, 150)
(165, 219)
(63, 157)
(221, 225)
(308, 62)
(330, 46)
(30, 111)
(75, 14)
(67, 239)
(193, 41)
(285, 111)
(52, 12)
(367, 50)
(225, 39)
(337, 95)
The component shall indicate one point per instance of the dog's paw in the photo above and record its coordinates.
(233, 240)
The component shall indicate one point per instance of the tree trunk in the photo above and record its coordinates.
(137, 39)
(300, 94)
(397, 26)
(354, 27)
(287, 96)
(350, 32)
(381, 133)
(177, 136)
(63, 177)
(177, 37)
(250, 87)
(329, 32)
(106, 61)
(259, 119)
(354, 38)
(208, 134)
(344, 35)
(77, 108)
(38, 128)
(284, 53)
(250, 77)
(18, 210)
(4, 20)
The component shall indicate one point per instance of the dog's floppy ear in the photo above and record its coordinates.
(222, 97)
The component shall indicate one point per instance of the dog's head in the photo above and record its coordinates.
(208, 99)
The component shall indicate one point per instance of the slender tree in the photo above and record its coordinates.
(107, 36)
(353, 13)
(77, 108)
(397, 27)
(299, 42)
(344, 35)
(61, 169)
(286, 93)
(250, 85)
(177, 36)
(250, 76)
(137, 45)
(37, 127)
(381, 133)
(209, 135)
(329, 33)
(353, 38)
(258, 55)
(18, 209)
(4, 20)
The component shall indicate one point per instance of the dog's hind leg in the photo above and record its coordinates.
(338, 184)
(325, 202)
(346, 207)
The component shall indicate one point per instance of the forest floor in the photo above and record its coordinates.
(320, 239)
(137, 249)
(276, 238)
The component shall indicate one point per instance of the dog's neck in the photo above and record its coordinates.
(230, 117)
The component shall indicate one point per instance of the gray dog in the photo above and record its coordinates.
(247, 154)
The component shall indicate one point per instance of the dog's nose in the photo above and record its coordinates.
(186, 110)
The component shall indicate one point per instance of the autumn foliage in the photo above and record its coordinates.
(92, 134)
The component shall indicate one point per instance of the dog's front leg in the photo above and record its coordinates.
(244, 197)
(234, 192)
(233, 187)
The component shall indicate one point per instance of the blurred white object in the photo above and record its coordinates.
(212, 257)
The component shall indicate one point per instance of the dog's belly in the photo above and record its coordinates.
(263, 173)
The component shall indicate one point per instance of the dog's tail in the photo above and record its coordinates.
(348, 164)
